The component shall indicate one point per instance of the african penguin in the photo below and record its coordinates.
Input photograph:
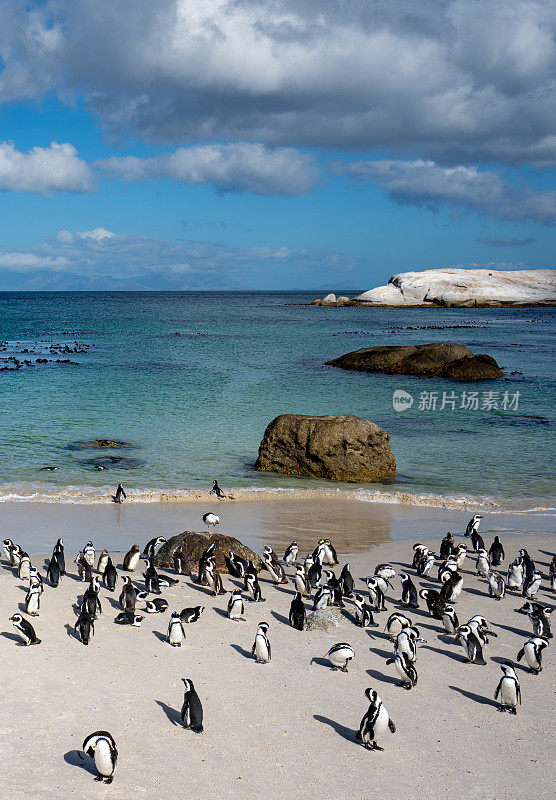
(347, 583)
(89, 553)
(450, 620)
(340, 655)
(261, 646)
(508, 689)
(176, 632)
(128, 618)
(395, 623)
(435, 602)
(363, 613)
(451, 589)
(158, 605)
(236, 607)
(405, 669)
(109, 576)
(189, 615)
(375, 722)
(58, 554)
(191, 710)
(26, 629)
(84, 627)
(532, 650)
(496, 552)
(290, 555)
(53, 572)
(483, 563)
(102, 561)
(467, 639)
(301, 581)
(297, 613)
(101, 747)
(446, 546)
(496, 585)
(212, 577)
(410, 597)
(150, 548)
(33, 601)
(131, 558)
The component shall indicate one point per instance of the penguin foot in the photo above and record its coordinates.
(99, 778)
(109, 780)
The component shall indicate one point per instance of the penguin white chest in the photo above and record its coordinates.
(508, 692)
(381, 723)
(261, 648)
(531, 656)
(103, 758)
(176, 633)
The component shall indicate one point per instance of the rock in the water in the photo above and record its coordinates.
(438, 359)
(193, 545)
(99, 444)
(323, 619)
(339, 448)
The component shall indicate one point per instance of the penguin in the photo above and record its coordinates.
(450, 620)
(16, 552)
(508, 689)
(376, 595)
(425, 564)
(109, 576)
(479, 626)
(33, 602)
(101, 747)
(83, 567)
(236, 607)
(538, 616)
(191, 710)
(210, 520)
(84, 627)
(447, 546)
(91, 602)
(340, 655)
(330, 553)
(26, 629)
(375, 722)
(180, 562)
(363, 613)
(496, 585)
(217, 491)
(451, 589)
(406, 642)
(131, 558)
(213, 578)
(405, 669)
(301, 581)
(347, 583)
(89, 553)
(461, 553)
(552, 573)
(261, 646)
(314, 573)
(333, 583)
(483, 563)
(237, 566)
(120, 495)
(24, 569)
(152, 579)
(58, 554)
(531, 584)
(467, 639)
(532, 650)
(7, 545)
(53, 572)
(496, 552)
(395, 623)
(150, 548)
(435, 602)
(410, 598)
(290, 556)
(419, 550)
(297, 615)
(128, 618)
(176, 632)
(473, 524)
(385, 571)
(253, 588)
(205, 556)
(156, 606)
(273, 565)
(166, 580)
(447, 569)
(102, 561)
(189, 615)
(128, 595)
(528, 564)
(323, 598)
(515, 576)
(36, 580)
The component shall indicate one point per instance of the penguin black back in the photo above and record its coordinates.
(192, 709)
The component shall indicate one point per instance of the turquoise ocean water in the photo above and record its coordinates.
(191, 380)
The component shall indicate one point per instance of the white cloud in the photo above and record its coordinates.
(424, 183)
(452, 80)
(233, 167)
(43, 170)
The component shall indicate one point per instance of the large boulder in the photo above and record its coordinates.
(339, 448)
(438, 359)
(193, 545)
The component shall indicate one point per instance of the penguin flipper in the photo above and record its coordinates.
(390, 660)
(520, 654)
(391, 726)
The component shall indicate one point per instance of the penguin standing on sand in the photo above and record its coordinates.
(297, 615)
(531, 584)
(450, 620)
(53, 572)
(467, 639)
(496, 585)
(26, 629)
(447, 546)
(102, 561)
(515, 576)
(410, 597)
(191, 710)
(84, 570)
(33, 601)
(261, 646)
(91, 601)
(253, 588)
(176, 632)
(532, 650)
(120, 495)
(301, 581)
(405, 669)
(84, 627)
(101, 747)
(58, 554)
(213, 579)
(290, 556)
(128, 595)
(395, 624)
(347, 584)
(483, 563)
(236, 606)
(217, 490)
(24, 569)
(508, 689)
(110, 576)
(340, 655)
(406, 643)
(89, 553)
(375, 722)
(131, 558)
(376, 595)
(496, 552)
(473, 524)
(152, 579)
(451, 588)
(323, 598)
(237, 566)
(435, 602)
(363, 613)
(150, 548)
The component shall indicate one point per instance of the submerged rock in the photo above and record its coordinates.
(438, 359)
(339, 448)
(114, 462)
(100, 444)
(192, 545)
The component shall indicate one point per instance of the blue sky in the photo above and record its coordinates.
(273, 144)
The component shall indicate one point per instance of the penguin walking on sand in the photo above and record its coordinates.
(297, 615)
(102, 561)
(213, 579)
(131, 558)
(26, 629)
(340, 655)
(24, 569)
(261, 646)
(532, 650)
(425, 564)
(252, 587)
(363, 613)
(101, 747)
(410, 598)
(450, 620)
(110, 576)
(290, 556)
(89, 553)
(508, 689)
(375, 722)
(531, 584)
(469, 640)
(53, 572)
(538, 616)
(479, 626)
(236, 607)
(405, 669)
(58, 554)
(191, 710)
(347, 584)
(176, 631)
(447, 546)
(84, 627)
(91, 602)
(483, 563)
(496, 552)
(473, 524)
(496, 585)
(33, 601)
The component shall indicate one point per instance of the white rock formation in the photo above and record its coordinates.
(449, 286)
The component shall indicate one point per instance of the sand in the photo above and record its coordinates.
(279, 730)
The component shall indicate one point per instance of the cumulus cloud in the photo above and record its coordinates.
(238, 167)
(44, 170)
(424, 183)
(505, 241)
(451, 80)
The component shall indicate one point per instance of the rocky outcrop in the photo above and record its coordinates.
(438, 359)
(192, 545)
(462, 288)
(339, 448)
(332, 300)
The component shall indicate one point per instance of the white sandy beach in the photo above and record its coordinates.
(280, 730)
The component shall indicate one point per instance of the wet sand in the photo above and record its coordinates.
(280, 730)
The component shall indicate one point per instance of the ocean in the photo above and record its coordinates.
(190, 380)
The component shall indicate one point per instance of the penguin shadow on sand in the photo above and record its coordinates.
(242, 651)
(379, 676)
(478, 698)
(280, 618)
(454, 656)
(12, 636)
(468, 590)
(382, 653)
(70, 630)
(200, 588)
(322, 662)
(75, 758)
(173, 714)
(220, 611)
(113, 602)
(517, 631)
(161, 636)
(341, 730)
(22, 607)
